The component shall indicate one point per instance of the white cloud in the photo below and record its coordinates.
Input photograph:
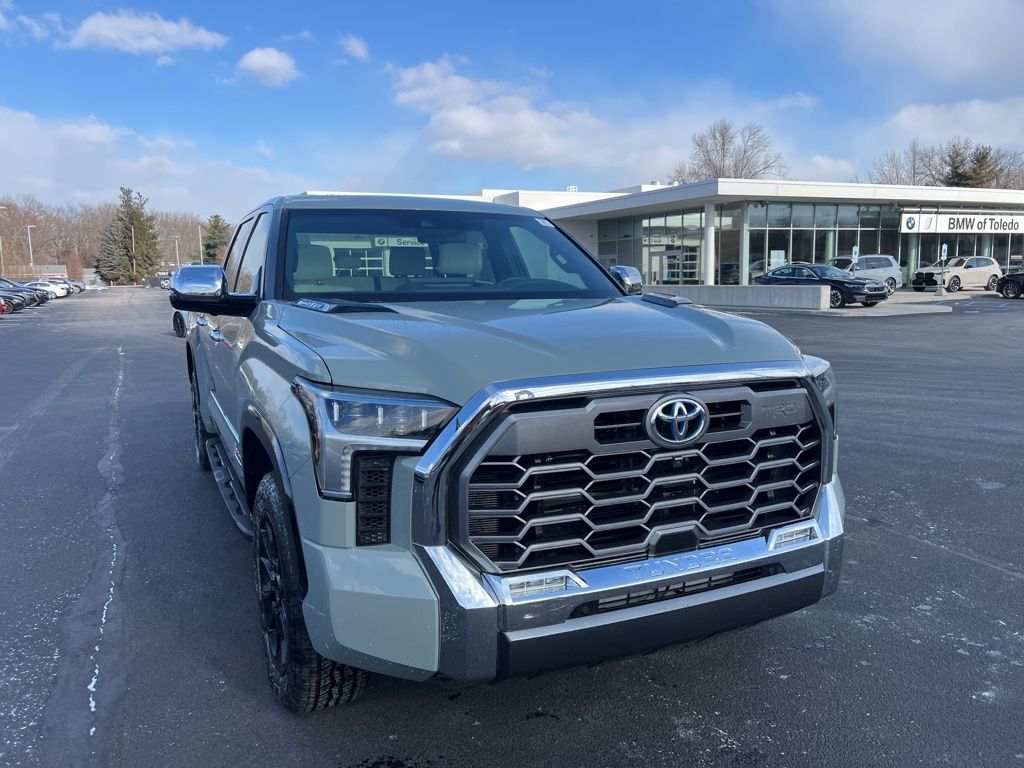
(264, 149)
(951, 42)
(164, 61)
(436, 85)
(355, 47)
(132, 32)
(999, 122)
(303, 35)
(823, 168)
(797, 100)
(37, 30)
(87, 160)
(269, 65)
(485, 121)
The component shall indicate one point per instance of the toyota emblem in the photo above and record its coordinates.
(677, 421)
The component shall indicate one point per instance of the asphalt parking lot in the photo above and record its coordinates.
(129, 636)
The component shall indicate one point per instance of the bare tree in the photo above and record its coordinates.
(722, 151)
(917, 164)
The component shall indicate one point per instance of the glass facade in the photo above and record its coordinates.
(668, 248)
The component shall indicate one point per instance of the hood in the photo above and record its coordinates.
(453, 349)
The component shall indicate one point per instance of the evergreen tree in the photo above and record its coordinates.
(216, 234)
(128, 249)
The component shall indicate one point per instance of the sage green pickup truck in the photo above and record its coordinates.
(464, 449)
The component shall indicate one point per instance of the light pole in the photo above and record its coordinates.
(134, 278)
(200, 228)
(177, 256)
(2, 208)
(31, 260)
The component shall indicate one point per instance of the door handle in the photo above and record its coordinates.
(216, 336)
(201, 320)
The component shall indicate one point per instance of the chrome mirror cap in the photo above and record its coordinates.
(628, 278)
(205, 281)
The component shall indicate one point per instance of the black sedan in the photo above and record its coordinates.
(1011, 285)
(844, 287)
(13, 302)
(32, 296)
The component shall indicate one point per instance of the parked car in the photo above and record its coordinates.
(441, 463)
(58, 289)
(875, 266)
(844, 287)
(1011, 286)
(32, 296)
(961, 272)
(15, 301)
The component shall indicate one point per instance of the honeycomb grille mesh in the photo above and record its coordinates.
(584, 508)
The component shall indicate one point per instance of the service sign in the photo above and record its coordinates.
(962, 223)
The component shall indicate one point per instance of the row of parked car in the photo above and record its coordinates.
(16, 296)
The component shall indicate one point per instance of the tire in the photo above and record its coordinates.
(836, 300)
(919, 288)
(992, 282)
(1011, 290)
(890, 285)
(954, 284)
(179, 325)
(302, 680)
(199, 433)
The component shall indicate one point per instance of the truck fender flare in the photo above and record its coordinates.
(255, 421)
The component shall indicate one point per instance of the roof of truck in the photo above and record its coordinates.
(361, 200)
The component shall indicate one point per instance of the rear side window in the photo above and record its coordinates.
(253, 259)
(234, 256)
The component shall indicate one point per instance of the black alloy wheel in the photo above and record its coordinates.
(836, 300)
(199, 433)
(1011, 290)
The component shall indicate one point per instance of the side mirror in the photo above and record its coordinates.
(628, 278)
(203, 288)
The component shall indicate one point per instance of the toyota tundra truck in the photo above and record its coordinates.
(464, 449)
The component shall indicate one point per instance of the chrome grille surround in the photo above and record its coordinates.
(574, 483)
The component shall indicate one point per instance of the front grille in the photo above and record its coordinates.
(621, 497)
(669, 591)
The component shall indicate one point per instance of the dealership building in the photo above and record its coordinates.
(724, 231)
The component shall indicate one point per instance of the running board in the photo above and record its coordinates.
(229, 487)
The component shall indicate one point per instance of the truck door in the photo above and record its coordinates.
(211, 337)
(235, 335)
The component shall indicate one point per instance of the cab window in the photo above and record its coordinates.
(254, 255)
(234, 256)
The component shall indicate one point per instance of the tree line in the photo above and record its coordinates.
(723, 151)
(84, 236)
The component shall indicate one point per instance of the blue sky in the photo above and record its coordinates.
(209, 106)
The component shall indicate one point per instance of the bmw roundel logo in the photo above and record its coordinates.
(676, 421)
(911, 222)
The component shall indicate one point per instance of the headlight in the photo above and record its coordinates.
(344, 422)
(823, 376)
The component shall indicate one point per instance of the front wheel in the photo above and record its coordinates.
(890, 285)
(199, 433)
(954, 284)
(179, 325)
(302, 679)
(1011, 290)
(836, 300)
(992, 282)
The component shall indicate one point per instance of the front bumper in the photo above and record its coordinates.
(491, 629)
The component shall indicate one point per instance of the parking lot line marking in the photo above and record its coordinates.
(1004, 304)
(1004, 568)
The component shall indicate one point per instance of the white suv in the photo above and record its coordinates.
(876, 266)
(961, 272)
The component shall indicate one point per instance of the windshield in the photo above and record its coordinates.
(385, 255)
(824, 270)
(950, 263)
(841, 263)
